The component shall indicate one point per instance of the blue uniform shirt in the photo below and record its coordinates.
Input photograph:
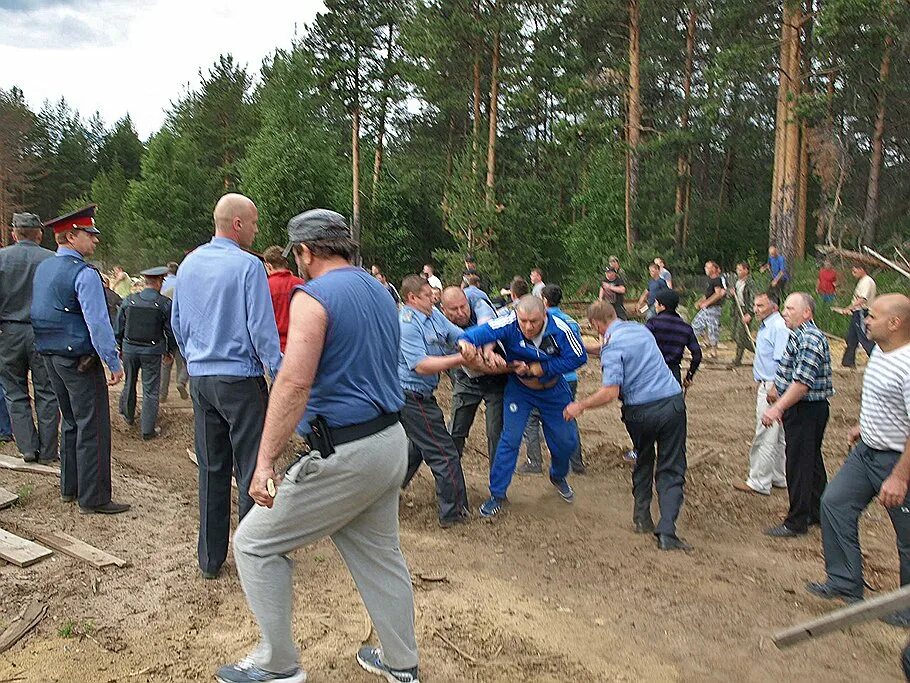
(778, 264)
(770, 345)
(559, 313)
(422, 336)
(632, 361)
(222, 313)
(561, 349)
(90, 294)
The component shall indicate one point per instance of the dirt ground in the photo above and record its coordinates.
(548, 592)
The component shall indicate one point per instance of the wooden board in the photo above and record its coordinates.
(79, 549)
(27, 620)
(9, 463)
(195, 460)
(883, 605)
(20, 551)
(7, 498)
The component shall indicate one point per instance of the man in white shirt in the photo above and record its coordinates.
(863, 296)
(878, 465)
(664, 273)
(767, 457)
(430, 276)
(537, 283)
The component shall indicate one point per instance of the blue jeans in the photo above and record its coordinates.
(6, 429)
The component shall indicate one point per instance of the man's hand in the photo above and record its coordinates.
(772, 395)
(495, 362)
(747, 319)
(168, 358)
(468, 351)
(687, 382)
(115, 378)
(572, 411)
(852, 436)
(893, 492)
(520, 368)
(259, 485)
(535, 370)
(771, 415)
(702, 305)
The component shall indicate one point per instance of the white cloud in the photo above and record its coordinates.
(120, 57)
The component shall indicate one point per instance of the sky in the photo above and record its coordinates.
(134, 56)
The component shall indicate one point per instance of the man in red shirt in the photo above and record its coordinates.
(827, 282)
(281, 282)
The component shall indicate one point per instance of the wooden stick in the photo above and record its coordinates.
(840, 619)
(27, 620)
(455, 647)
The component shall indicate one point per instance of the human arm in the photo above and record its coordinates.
(894, 489)
(573, 355)
(120, 324)
(168, 332)
(599, 398)
(175, 324)
(90, 294)
(492, 331)
(291, 390)
(795, 393)
(260, 319)
(719, 294)
(695, 351)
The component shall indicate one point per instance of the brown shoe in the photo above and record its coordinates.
(744, 487)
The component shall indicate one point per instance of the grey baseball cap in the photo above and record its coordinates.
(26, 220)
(314, 225)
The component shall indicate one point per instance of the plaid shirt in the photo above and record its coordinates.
(807, 360)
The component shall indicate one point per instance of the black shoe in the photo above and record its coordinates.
(210, 576)
(668, 542)
(153, 435)
(824, 590)
(899, 619)
(30, 457)
(783, 531)
(579, 469)
(527, 468)
(6, 438)
(50, 461)
(184, 394)
(128, 420)
(67, 499)
(645, 526)
(453, 521)
(111, 508)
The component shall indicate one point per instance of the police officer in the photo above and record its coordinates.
(18, 357)
(144, 336)
(654, 412)
(73, 332)
(468, 388)
(427, 342)
(541, 348)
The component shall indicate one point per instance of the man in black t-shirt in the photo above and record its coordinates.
(709, 307)
(613, 289)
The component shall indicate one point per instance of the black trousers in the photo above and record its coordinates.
(804, 430)
(150, 366)
(467, 395)
(677, 374)
(658, 433)
(856, 336)
(229, 415)
(85, 451)
(430, 442)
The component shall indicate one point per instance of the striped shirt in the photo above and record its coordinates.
(807, 360)
(673, 335)
(884, 412)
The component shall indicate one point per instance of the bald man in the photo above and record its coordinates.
(225, 327)
(541, 348)
(878, 465)
(468, 388)
(799, 399)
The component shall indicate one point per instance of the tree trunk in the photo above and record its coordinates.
(800, 246)
(633, 130)
(475, 136)
(383, 113)
(825, 205)
(355, 172)
(870, 217)
(446, 208)
(494, 109)
(682, 162)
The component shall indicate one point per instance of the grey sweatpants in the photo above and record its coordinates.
(351, 497)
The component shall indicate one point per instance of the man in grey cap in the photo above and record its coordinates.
(144, 335)
(348, 396)
(18, 357)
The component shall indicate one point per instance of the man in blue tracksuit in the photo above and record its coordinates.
(540, 348)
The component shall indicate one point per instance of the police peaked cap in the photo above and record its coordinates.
(157, 271)
(83, 219)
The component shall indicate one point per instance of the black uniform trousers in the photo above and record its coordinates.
(229, 415)
(851, 490)
(150, 366)
(18, 358)
(430, 442)
(804, 430)
(658, 433)
(85, 452)
(856, 336)
(467, 394)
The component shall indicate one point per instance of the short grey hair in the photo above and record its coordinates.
(530, 304)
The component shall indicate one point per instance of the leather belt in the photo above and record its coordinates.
(342, 435)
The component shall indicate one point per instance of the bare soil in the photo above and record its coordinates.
(549, 592)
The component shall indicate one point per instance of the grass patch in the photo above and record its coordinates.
(24, 492)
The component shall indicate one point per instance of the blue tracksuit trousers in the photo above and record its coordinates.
(561, 436)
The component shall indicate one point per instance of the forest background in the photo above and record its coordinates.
(529, 132)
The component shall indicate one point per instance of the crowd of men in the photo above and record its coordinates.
(267, 353)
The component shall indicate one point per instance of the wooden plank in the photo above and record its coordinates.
(20, 551)
(883, 605)
(79, 549)
(195, 460)
(27, 620)
(9, 463)
(7, 498)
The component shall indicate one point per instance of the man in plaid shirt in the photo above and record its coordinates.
(799, 399)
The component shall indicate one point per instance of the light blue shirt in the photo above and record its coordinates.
(422, 336)
(90, 294)
(770, 345)
(631, 360)
(222, 315)
(169, 281)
